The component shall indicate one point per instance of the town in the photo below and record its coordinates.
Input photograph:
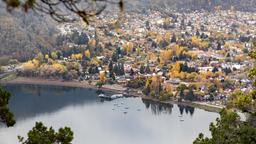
(196, 56)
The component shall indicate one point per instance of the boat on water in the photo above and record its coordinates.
(112, 97)
(115, 96)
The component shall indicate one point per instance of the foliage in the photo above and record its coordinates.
(164, 95)
(99, 84)
(229, 130)
(40, 134)
(77, 56)
(5, 115)
(87, 54)
(102, 76)
(136, 83)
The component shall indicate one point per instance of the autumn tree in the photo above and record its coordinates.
(30, 67)
(78, 56)
(87, 54)
(156, 84)
(102, 76)
(229, 129)
(128, 47)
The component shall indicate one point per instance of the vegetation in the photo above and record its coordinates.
(40, 134)
(5, 115)
(229, 129)
(57, 9)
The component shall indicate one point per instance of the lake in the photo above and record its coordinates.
(93, 121)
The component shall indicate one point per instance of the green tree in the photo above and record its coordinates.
(54, 55)
(229, 130)
(5, 115)
(40, 134)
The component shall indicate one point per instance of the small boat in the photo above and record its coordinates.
(125, 112)
(112, 97)
(181, 120)
(115, 96)
(103, 96)
(180, 115)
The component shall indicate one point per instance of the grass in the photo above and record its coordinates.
(8, 77)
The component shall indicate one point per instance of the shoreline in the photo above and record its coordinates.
(110, 88)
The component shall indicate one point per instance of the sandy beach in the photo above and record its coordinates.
(56, 82)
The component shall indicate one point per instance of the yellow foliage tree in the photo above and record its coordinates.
(94, 61)
(175, 71)
(102, 76)
(77, 56)
(203, 45)
(59, 67)
(46, 56)
(92, 42)
(128, 47)
(165, 55)
(195, 41)
(30, 65)
(167, 36)
(87, 54)
(159, 38)
(155, 84)
(151, 56)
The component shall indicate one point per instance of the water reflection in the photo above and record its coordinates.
(121, 121)
(157, 108)
(187, 109)
(31, 100)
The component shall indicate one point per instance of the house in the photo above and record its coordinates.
(205, 69)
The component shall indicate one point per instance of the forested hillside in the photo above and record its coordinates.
(22, 34)
(181, 5)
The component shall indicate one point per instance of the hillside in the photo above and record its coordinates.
(23, 34)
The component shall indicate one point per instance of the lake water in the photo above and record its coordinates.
(103, 122)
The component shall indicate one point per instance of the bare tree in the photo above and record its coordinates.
(65, 10)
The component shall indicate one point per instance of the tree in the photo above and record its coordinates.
(190, 95)
(147, 70)
(142, 69)
(87, 54)
(63, 11)
(156, 84)
(174, 39)
(110, 66)
(229, 130)
(30, 67)
(77, 56)
(195, 41)
(54, 55)
(5, 115)
(40, 134)
(102, 76)
(40, 58)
